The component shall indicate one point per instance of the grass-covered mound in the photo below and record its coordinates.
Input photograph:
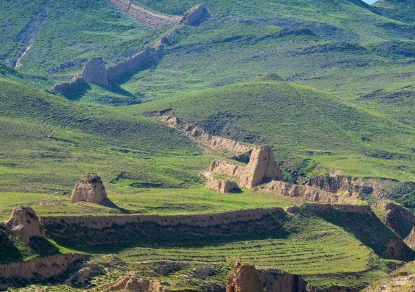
(308, 128)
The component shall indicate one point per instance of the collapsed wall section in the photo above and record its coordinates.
(40, 268)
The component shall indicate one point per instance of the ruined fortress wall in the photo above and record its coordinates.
(40, 268)
(84, 231)
(145, 16)
(134, 63)
(306, 193)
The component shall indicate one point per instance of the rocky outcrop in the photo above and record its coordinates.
(195, 15)
(24, 224)
(145, 16)
(244, 278)
(95, 72)
(40, 268)
(307, 193)
(261, 166)
(90, 189)
(410, 240)
(398, 218)
(99, 230)
(223, 186)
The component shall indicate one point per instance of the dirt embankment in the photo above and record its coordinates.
(142, 229)
(40, 268)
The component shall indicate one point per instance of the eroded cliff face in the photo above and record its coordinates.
(307, 193)
(24, 224)
(380, 188)
(244, 278)
(40, 268)
(398, 218)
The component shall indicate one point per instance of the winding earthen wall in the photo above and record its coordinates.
(40, 268)
(99, 230)
(145, 16)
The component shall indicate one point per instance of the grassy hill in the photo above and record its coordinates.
(401, 10)
(48, 143)
(308, 128)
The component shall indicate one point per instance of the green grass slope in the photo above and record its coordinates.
(48, 143)
(66, 33)
(308, 129)
(401, 10)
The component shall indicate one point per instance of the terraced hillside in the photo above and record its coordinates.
(329, 85)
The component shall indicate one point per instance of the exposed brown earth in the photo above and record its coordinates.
(24, 224)
(222, 186)
(89, 189)
(132, 284)
(410, 240)
(145, 16)
(95, 72)
(261, 166)
(398, 218)
(244, 278)
(40, 268)
(401, 280)
(307, 193)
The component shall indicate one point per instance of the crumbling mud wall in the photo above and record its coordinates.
(40, 268)
(307, 193)
(145, 16)
(145, 229)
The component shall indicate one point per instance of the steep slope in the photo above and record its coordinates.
(308, 129)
